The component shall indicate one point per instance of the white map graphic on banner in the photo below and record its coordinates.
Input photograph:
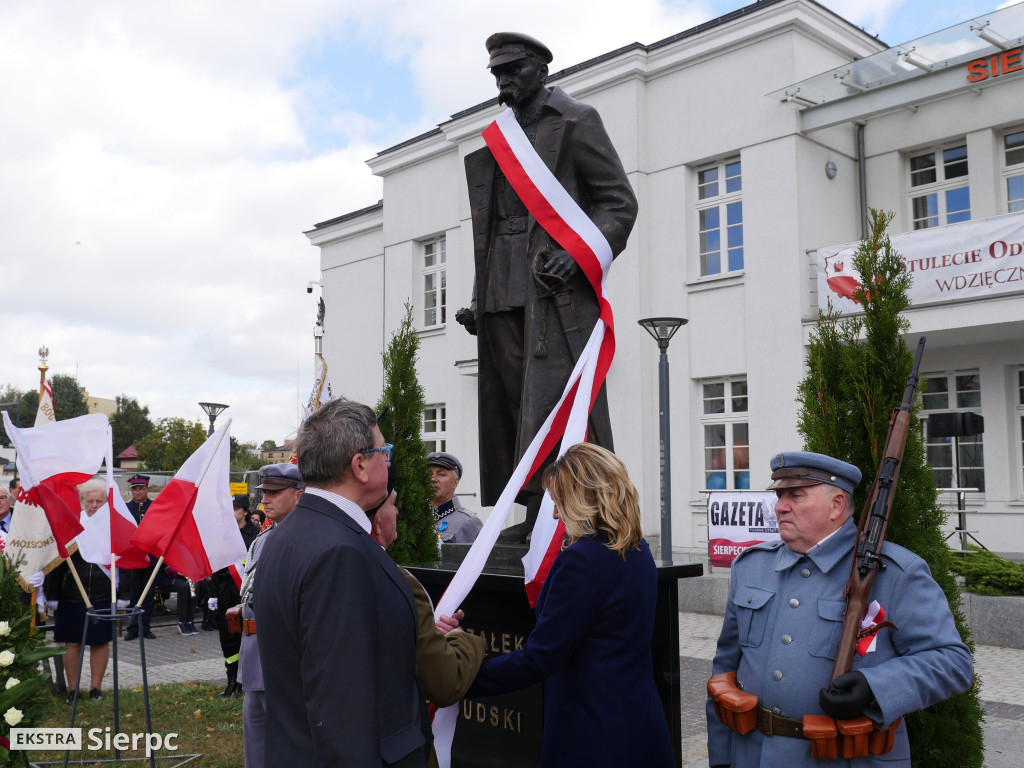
(973, 259)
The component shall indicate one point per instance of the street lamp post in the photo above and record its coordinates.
(662, 329)
(213, 410)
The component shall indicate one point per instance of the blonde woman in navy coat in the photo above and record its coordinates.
(595, 619)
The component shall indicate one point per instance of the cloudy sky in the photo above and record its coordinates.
(160, 162)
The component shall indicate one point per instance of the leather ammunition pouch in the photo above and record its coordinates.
(830, 738)
(233, 616)
(736, 709)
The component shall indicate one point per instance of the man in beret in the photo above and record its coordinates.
(533, 310)
(455, 524)
(138, 486)
(282, 486)
(785, 612)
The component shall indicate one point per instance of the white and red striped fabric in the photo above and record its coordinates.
(109, 531)
(562, 218)
(191, 524)
(873, 614)
(53, 460)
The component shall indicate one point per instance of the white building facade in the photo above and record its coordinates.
(753, 143)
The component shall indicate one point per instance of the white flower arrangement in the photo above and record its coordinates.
(6, 658)
(11, 682)
(5, 628)
(12, 716)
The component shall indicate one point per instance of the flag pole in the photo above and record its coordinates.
(206, 465)
(78, 580)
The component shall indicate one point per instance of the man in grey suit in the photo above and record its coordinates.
(337, 618)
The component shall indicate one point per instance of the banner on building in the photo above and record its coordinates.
(972, 259)
(737, 520)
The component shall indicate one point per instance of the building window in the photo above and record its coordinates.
(720, 217)
(434, 283)
(954, 393)
(939, 193)
(726, 435)
(435, 427)
(1013, 147)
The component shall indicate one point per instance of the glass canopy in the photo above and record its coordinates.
(992, 33)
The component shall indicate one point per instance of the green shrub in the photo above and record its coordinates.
(986, 573)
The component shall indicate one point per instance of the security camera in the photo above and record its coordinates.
(309, 286)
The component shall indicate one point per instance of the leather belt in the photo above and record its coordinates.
(248, 626)
(771, 724)
(513, 225)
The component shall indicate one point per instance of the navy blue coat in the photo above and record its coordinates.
(592, 647)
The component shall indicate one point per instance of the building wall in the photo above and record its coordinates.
(672, 112)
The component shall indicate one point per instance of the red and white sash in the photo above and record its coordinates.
(562, 218)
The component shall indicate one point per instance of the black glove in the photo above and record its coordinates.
(848, 696)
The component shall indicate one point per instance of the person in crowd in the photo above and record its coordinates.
(455, 524)
(226, 594)
(70, 616)
(595, 621)
(256, 517)
(337, 618)
(784, 613)
(282, 486)
(6, 515)
(138, 486)
(185, 591)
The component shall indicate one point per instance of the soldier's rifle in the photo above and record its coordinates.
(873, 525)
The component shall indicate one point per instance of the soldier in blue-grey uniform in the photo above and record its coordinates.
(455, 524)
(783, 620)
(282, 486)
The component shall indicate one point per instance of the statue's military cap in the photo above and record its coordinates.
(512, 46)
(793, 469)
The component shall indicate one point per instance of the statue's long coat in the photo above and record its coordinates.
(572, 142)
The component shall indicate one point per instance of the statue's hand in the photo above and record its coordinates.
(561, 264)
(466, 317)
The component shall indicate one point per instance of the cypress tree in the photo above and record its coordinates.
(857, 369)
(402, 426)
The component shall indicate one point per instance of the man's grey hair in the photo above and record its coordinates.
(330, 437)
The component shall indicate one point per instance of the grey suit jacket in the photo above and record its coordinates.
(337, 637)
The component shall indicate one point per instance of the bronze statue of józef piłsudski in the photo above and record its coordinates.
(533, 309)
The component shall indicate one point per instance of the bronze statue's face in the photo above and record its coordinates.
(519, 81)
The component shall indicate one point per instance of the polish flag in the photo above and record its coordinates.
(105, 533)
(191, 524)
(53, 460)
(873, 614)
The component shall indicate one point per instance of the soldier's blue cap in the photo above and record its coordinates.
(274, 477)
(138, 480)
(512, 46)
(793, 469)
